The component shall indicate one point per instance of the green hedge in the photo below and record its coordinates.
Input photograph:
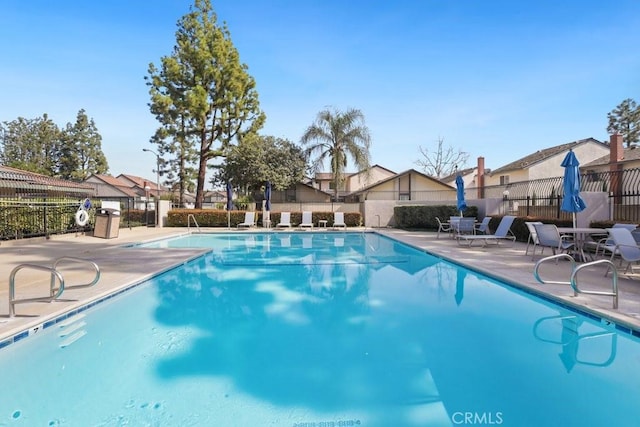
(218, 218)
(425, 216)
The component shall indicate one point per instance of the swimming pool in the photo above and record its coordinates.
(321, 329)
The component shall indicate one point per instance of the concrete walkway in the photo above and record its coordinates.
(122, 267)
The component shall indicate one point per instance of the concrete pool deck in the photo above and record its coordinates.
(122, 267)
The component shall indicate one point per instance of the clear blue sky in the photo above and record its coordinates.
(498, 79)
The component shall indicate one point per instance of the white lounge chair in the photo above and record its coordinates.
(338, 220)
(502, 233)
(307, 220)
(249, 220)
(285, 220)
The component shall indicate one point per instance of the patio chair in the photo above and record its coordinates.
(285, 220)
(307, 220)
(444, 227)
(465, 226)
(549, 237)
(503, 232)
(338, 220)
(533, 237)
(606, 244)
(249, 220)
(625, 246)
(483, 227)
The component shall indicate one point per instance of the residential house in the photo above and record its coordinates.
(545, 163)
(109, 187)
(123, 190)
(143, 184)
(301, 192)
(410, 185)
(617, 158)
(353, 181)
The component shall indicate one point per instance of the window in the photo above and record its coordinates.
(504, 179)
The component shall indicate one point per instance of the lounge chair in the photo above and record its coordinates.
(249, 220)
(444, 227)
(338, 220)
(625, 246)
(307, 220)
(285, 220)
(549, 237)
(502, 233)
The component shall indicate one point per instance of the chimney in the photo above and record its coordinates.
(616, 151)
(480, 183)
(616, 155)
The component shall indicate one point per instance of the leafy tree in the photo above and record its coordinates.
(337, 135)
(81, 150)
(201, 94)
(31, 145)
(257, 159)
(442, 161)
(625, 120)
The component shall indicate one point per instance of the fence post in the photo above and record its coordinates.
(44, 221)
(528, 204)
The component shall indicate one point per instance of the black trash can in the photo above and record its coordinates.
(107, 223)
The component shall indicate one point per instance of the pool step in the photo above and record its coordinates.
(71, 330)
(72, 338)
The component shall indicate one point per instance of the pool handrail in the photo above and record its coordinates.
(56, 275)
(77, 260)
(189, 218)
(573, 280)
(53, 294)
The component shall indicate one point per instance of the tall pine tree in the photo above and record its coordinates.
(201, 94)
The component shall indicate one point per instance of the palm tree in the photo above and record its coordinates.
(336, 135)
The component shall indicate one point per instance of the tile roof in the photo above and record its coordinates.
(629, 154)
(17, 178)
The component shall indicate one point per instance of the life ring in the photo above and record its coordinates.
(82, 217)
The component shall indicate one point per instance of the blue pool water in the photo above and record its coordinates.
(321, 329)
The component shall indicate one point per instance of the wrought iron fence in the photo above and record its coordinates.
(38, 216)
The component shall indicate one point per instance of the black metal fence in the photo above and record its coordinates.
(38, 216)
(543, 197)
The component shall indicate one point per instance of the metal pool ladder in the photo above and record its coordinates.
(573, 280)
(56, 276)
(189, 218)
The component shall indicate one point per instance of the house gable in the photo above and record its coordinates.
(403, 186)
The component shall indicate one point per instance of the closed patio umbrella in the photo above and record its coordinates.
(571, 201)
(267, 196)
(460, 194)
